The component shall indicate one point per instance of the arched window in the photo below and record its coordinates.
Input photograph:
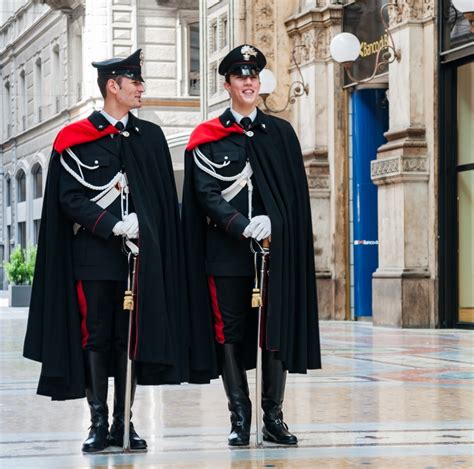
(37, 173)
(21, 186)
(8, 191)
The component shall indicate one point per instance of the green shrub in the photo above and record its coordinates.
(21, 266)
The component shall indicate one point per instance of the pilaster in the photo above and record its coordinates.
(320, 123)
(404, 285)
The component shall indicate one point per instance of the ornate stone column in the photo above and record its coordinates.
(404, 285)
(319, 120)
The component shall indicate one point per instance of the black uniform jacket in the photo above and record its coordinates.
(159, 334)
(227, 251)
(279, 175)
(97, 254)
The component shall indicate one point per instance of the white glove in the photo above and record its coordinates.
(260, 227)
(130, 228)
(118, 229)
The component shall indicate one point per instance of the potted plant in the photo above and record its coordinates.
(20, 269)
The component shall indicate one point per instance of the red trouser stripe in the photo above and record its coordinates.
(218, 322)
(81, 299)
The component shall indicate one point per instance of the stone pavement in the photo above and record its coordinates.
(385, 398)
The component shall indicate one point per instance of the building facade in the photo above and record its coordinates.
(389, 160)
(372, 150)
(46, 48)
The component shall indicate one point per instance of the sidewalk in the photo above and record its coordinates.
(386, 398)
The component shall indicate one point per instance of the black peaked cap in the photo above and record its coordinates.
(244, 60)
(129, 67)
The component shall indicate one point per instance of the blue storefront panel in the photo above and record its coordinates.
(369, 122)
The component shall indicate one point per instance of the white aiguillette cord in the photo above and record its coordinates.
(239, 180)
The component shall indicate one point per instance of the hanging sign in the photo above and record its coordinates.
(362, 19)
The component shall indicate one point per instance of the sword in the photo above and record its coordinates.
(128, 305)
(258, 299)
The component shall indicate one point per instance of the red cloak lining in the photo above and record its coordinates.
(211, 131)
(83, 131)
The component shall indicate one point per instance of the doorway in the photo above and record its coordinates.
(369, 114)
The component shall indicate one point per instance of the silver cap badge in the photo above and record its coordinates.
(248, 51)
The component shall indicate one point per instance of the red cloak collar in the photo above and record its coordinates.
(82, 131)
(211, 131)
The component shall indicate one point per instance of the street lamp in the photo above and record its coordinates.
(345, 48)
(268, 84)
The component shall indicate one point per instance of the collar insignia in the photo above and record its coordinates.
(248, 51)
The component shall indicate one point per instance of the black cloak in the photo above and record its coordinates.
(159, 330)
(291, 314)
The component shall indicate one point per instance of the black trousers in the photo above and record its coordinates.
(234, 317)
(104, 323)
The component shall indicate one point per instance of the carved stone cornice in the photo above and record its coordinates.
(322, 17)
(413, 10)
(402, 158)
(312, 28)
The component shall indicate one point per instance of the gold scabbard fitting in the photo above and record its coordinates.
(128, 300)
(256, 298)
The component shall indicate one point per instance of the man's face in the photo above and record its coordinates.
(243, 90)
(128, 92)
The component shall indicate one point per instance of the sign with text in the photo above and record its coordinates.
(362, 19)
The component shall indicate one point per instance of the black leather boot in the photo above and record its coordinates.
(236, 388)
(275, 429)
(96, 367)
(117, 427)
